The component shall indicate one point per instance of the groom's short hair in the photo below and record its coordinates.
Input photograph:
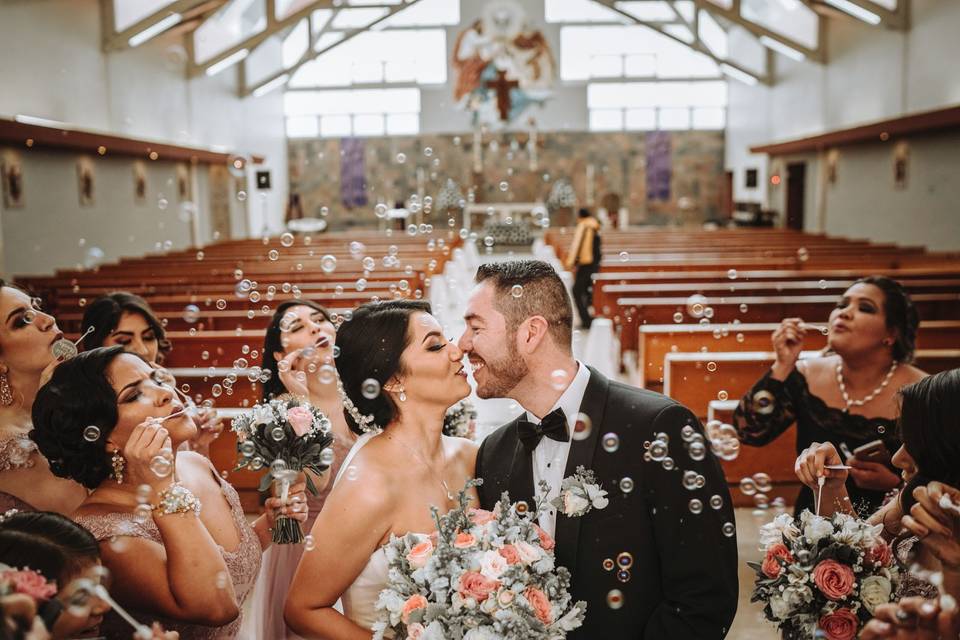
(543, 294)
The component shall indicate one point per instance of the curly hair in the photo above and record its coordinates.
(78, 395)
(370, 347)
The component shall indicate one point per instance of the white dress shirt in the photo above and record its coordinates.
(550, 456)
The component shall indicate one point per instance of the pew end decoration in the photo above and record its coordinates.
(823, 577)
(287, 436)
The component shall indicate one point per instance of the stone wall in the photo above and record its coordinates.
(396, 167)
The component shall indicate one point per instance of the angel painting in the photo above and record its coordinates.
(503, 66)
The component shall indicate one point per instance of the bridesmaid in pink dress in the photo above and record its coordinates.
(26, 334)
(298, 345)
(171, 530)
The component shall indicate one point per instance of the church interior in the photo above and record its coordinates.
(746, 162)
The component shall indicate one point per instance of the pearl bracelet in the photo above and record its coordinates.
(177, 499)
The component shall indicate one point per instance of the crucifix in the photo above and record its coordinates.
(502, 86)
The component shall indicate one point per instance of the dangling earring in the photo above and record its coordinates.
(403, 394)
(6, 393)
(118, 464)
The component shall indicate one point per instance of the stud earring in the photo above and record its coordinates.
(6, 392)
(118, 463)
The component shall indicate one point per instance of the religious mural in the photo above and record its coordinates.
(503, 66)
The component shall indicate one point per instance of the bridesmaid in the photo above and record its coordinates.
(26, 335)
(172, 532)
(125, 319)
(299, 341)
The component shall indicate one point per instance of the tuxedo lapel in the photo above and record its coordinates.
(581, 454)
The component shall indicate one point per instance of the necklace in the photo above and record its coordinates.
(438, 476)
(873, 394)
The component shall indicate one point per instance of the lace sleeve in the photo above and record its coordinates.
(767, 410)
(110, 525)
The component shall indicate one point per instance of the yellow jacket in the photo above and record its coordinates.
(581, 249)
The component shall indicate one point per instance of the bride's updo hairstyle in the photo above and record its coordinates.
(370, 346)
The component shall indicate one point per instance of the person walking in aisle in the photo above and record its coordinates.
(584, 254)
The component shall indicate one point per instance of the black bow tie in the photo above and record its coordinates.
(553, 425)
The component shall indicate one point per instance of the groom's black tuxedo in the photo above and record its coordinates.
(683, 582)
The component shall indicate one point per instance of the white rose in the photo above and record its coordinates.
(781, 527)
(817, 528)
(262, 414)
(779, 608)
(492, 564)
(527, 552)
(874, 591)
(434, 631)
(573, 504)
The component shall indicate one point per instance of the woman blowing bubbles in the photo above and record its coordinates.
(172, 531)
(847, 397)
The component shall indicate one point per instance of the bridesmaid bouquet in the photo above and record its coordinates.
(483, 575)
(288, 436)
(823, 577)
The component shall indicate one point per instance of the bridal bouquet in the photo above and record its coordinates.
(484, 575)
(288, 436)
(823, 577)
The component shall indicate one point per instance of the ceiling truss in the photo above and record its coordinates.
(194, 12)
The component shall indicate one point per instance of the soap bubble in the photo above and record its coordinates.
(247, 448)
(711, 366)
(328, 263)
(277, 433)
(326, 457)
(729, 529)
(401, 158)
(615, 599)
(237, 166)
(161, 466)
(327, 374)
(582, 427)
(368, 263)
(611, 442)
(191, 313)
(559, 379)
(516, 291)
(380, 210)
(624, 256)
(626, 485)
(91, 433)
(93, 257)
(763, 482)
(370, 388)
(732, 274)
(690, 480)
(696, 305)
(716, 501)
(286, 239)
(274, 255)
(678, 317)
(748, 487)
(802, 254)
(658, 450)
(695, 506)
(697, 451)
(764, 402)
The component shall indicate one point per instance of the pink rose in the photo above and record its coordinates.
(30, 583)
(476, 586)
(881, 553)
(540, 603)
(834, 580)
(528, 552)
(413, 603)
(300, 419)
(464, 541)
(480, 517)
(842, 624)
(510, 554)
(771, 567)
(415, 631)
(545, 540)
(419, 554)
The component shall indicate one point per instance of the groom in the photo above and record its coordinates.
(648, 564)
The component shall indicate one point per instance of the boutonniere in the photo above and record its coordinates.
(579, 494)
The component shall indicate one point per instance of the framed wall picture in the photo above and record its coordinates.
(751, 179)
(901, 157)
(85, 181)
(139, 182)
(11, 172)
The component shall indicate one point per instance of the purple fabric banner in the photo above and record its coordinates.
(353, 184)
(659, 165)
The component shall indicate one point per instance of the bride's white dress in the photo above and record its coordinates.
(360, 598)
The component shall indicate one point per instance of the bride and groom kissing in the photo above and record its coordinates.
(646, 564)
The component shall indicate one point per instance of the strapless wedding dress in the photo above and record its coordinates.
(360, 599)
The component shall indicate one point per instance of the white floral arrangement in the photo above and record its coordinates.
(580, 494)
(562, 195)
(460, 421)
(484, 575)
(823, 577)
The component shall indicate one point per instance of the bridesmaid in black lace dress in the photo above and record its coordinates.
(848, 396)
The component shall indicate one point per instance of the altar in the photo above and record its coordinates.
(476, 215)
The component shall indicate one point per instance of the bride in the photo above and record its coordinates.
(400, 375)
